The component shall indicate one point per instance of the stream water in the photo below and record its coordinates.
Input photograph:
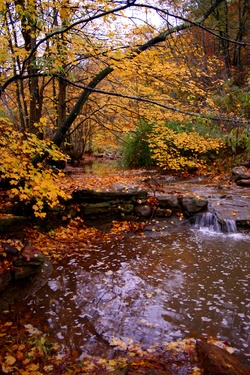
(179, 282)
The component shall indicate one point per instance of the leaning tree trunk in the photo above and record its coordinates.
(61, 132)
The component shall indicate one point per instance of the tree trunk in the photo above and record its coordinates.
(61, 132)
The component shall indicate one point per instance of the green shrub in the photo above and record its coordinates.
(136, 152)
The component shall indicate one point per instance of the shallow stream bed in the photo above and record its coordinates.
(179, 282)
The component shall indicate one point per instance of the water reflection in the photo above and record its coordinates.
(151, 290)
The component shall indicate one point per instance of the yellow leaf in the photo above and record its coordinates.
(48, 368)
(21, 347)
(10, 360)
(7, 369)
(196, 371)
(112, 363)
(32, 367)
(25, 361)
(8, 324)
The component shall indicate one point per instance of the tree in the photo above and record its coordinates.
(227, 35)
(41, 57)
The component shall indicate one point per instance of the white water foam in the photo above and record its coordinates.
(209, 222)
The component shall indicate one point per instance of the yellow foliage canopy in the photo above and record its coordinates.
(181, 150)
(31, 184)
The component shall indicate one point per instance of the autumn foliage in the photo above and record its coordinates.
(182, 150)
(30, 184)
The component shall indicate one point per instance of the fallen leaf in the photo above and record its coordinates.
(10, 360)
(32, 367)
(7, 369)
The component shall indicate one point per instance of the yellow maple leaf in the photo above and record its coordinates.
(10, 360)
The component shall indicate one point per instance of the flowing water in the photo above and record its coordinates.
(179, 282)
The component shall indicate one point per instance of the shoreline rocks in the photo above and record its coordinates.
(22, 264)
(241, 175)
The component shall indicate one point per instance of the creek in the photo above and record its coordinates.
(179, 282)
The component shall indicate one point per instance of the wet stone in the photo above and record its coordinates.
(240, 173)
(22, 272)
(194, 204)
(245, 182)
(12, 225)
(143, 210)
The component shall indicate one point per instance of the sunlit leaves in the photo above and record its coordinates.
(181, 150)
(31, 184)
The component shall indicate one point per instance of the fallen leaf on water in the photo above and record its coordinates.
(196, 371)
(32, 330)
(48, 368)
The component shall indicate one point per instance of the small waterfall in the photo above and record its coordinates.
(210, 221)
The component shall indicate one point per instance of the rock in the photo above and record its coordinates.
(94, 196)
(5, 278)
(233, 207)
(246, 163)
(96, 208)
(106, 208)
(23, 272)
(163, 212)
(240, 173)
(34, 258)
(23, 287)
(168, 201)
(22, 264)
(143, 210)
(28, 263)
(245, 182)
(193, 204)
(12, 225)
(217, 361)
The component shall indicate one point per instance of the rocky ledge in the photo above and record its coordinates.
(26, 264)
(241, 175)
